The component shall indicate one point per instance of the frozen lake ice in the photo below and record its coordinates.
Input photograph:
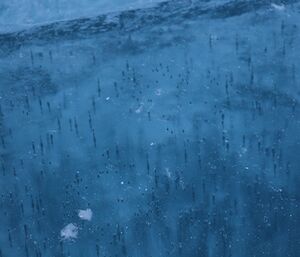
(161, 129)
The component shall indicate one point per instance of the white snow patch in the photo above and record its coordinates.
(85, 214)
(69, 232)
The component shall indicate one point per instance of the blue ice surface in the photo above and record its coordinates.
(24, 13)
(170, 130)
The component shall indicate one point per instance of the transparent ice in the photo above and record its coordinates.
(177, 124)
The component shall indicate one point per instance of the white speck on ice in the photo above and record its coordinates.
(85, 214)
(168, 173)
(158, 92)
(69, 232)
(278, 7)
(139, 110)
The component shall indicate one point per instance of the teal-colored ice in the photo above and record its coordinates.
(166, 130)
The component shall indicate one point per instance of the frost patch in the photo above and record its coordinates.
(69, 232)
(85, 214)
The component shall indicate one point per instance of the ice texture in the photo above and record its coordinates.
(16, 14)
(177, 125)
